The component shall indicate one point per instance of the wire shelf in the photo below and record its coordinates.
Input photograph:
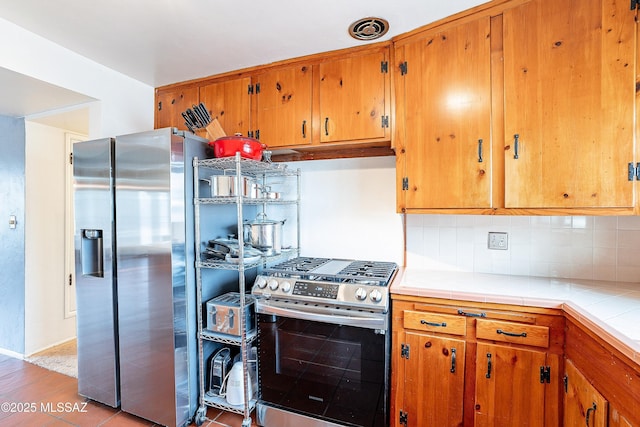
(223, 265)
(228, 200)
(248, 167)
(221, 403)
(206, 334)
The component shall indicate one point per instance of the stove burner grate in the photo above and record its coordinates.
(363, 272)
(300, 264)
(370, 269)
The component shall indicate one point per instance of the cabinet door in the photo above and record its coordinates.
(569, 97)
(434, 381)
(171, 103)
(230, 103)
(283, 106)
(446, 99)
(353, 98)
(583, 404)
(508, 388)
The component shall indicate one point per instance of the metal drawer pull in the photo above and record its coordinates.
(453, 360)
(488, 375)
(516, 139)
(304, 128)
(479, 151)
(511, 334)
(326, 126)
(464, 313)
(593, 408)
(424, 322)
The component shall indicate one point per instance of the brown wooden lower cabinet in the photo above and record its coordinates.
(583, 405)
(484, 365)
(508, 387)
(460, 364)
(437, 379)
(607, 371)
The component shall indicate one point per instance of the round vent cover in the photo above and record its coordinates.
(368, 28)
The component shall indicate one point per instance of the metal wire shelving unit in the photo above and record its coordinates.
(240, 167)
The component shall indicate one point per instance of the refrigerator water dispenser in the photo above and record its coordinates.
(92, 256)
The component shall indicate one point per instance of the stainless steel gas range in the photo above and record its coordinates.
(323, 342)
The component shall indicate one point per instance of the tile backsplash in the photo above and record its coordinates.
(577, 247)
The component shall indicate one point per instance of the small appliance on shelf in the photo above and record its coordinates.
(223, 314)
(220, 366)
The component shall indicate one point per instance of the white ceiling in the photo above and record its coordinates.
(160, 42)
(45, 103)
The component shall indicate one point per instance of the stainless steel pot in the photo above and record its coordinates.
(225, 186)
(264, 234)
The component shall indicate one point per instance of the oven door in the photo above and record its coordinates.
(320, 366)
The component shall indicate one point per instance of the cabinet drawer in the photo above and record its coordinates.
(435, 322)
(512, 332)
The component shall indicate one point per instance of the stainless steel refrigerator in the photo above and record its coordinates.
(135, 279)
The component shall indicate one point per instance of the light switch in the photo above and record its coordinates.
(12, 221)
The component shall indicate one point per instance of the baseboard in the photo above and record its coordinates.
(50, 346)
(11, 353)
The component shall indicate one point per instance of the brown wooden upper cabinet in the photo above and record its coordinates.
(444, 97)
(282, 105)
(229, 101)
(333, 100)
(353, 101)
(171, 103)
(570, 84)
(519, 107)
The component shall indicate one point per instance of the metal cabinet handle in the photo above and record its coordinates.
(488, 374)
(516, 139)
(442, 325)
(304, 128)
(464, 313)
(511, 334)
(453, 360)
(326, 126)
(593, 408)
(479, 151)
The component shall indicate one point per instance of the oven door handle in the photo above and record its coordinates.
(357, 321)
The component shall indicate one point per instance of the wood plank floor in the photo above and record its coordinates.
(31, 396)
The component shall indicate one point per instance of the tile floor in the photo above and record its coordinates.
(31, 396)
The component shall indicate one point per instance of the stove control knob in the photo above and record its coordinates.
(273, 284)
(375, 295)
(285, 287)
(261, 282)
(361, 294)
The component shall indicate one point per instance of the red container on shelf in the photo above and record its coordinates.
(228, 146)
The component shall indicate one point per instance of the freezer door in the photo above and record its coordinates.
(95, 281)
(151, 272)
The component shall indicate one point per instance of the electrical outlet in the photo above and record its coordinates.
(498, 240)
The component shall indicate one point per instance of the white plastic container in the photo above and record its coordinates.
(235, 385)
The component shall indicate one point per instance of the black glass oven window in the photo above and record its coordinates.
(323, 370)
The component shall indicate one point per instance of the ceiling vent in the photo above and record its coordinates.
(368, 28)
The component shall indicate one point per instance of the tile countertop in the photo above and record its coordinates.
(611, 309)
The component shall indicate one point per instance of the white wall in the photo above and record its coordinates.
(124, 105)
(348, 209)
(580, 247)
(45, 322)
